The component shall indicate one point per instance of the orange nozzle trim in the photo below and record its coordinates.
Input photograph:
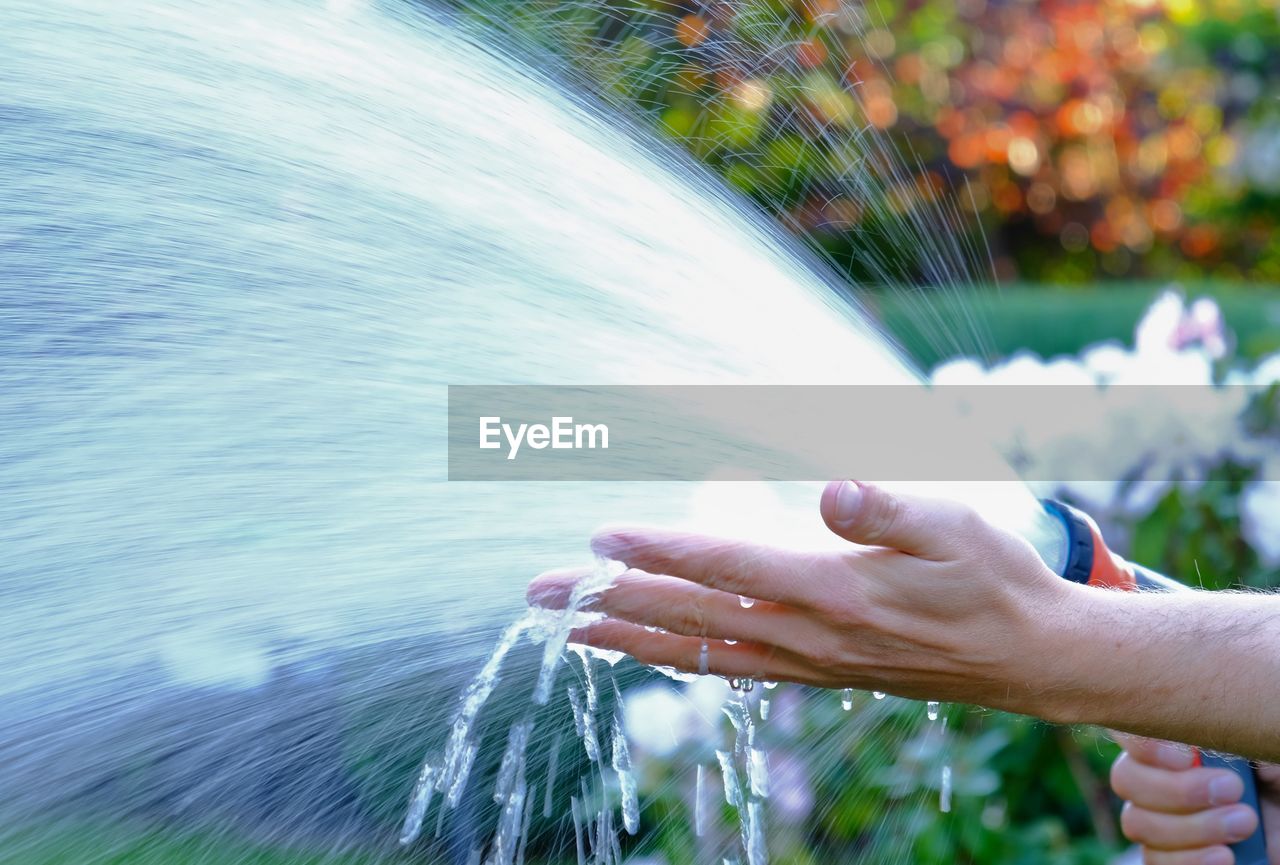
(1109, 570)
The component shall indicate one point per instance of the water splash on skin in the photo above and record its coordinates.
(601, 576)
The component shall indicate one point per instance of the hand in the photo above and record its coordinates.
(1184, 814)
(929, 601)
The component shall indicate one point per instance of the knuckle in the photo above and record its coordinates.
(884, 513)
(764, 657)
(969, 521)
(824, 655)
(846, 615)
(693, 620)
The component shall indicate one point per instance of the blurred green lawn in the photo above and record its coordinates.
(1053, 320)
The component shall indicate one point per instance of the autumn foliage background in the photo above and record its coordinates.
(1076, 139)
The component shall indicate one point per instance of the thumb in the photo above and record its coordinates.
(867, 514)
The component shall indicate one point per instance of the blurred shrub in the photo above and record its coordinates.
(1130, 137)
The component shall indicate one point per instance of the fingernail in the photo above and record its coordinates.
(1225, 790)
(1239, 823)
(1174, 756)
(848, 501)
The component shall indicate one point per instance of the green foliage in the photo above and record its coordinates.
(1131, 139)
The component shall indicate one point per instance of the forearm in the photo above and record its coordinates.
(1195, 667)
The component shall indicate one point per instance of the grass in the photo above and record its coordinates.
(1053, 320)
(75, 844)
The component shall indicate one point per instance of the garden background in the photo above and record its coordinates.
(1000, 180)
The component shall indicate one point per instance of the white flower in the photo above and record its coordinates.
(791, 792)
(1115, 447)
(660, 718)
(1260, 515)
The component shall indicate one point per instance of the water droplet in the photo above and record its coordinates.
(702, 659)
(747, 685)
(932, 709)
(846, 699)
(731, 642)
(651, 629)
(735, 684)
(879, 695)
(747, 603)
(944, 794)
(770, 685)
(764, 708)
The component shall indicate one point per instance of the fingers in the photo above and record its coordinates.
(1209, 828)
(674, 605)
(1154, 752)
(1203, 856)
(1174, 791)
(1182, 813)
(738, 567)
(743, 661)
(866, 514)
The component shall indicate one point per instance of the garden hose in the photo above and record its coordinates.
(1089, 562)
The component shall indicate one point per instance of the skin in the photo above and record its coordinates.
(930, 601)
(1185, 814)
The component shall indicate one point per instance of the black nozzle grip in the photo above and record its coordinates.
(1252, 850)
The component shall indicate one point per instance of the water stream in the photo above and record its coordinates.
(244, 248)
